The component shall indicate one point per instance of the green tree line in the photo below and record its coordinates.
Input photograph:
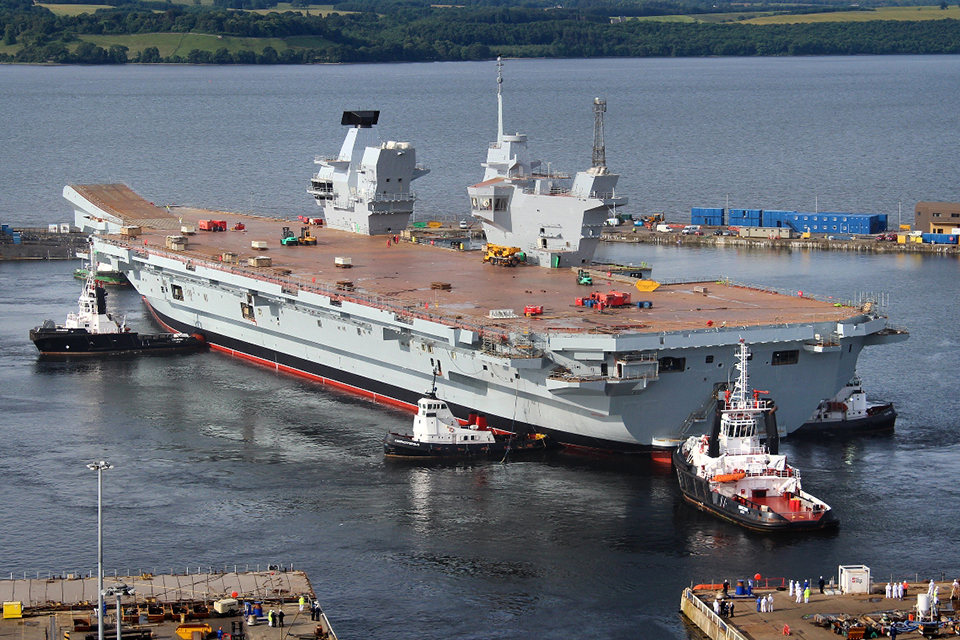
(465, 33)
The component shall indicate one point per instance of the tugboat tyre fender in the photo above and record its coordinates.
(770, 423)
(713, 447)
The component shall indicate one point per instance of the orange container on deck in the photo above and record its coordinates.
(795, 504)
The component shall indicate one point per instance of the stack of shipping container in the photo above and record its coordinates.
(853, 223)
(706, 217)
(745, 218)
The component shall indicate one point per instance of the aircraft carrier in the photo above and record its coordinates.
(629, 377)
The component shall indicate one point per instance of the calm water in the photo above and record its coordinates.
(219, 462)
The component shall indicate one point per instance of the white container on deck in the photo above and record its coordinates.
(854, 578)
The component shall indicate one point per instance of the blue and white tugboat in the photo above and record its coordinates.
(438, 434)
(732, 474)
(94, 332)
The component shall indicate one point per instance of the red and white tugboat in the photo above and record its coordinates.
(94, 332)
(733, 475)
(438, 434)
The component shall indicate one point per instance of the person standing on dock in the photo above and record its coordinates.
(821, 583)
(770, 603)
(270, 615)
(806, 595)
(280, 617)
(799, 594)
(888, 592)
(303, 602)
(791, 588)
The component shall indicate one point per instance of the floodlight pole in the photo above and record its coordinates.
(99, 468)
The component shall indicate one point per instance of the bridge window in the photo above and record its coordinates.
(177, 291)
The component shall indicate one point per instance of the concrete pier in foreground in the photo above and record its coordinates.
(58, 605)
(825, 617)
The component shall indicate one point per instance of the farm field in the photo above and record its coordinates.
(882, 13)
(772, 17)
(77, 9)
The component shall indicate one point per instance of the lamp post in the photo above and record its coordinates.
(119, 590)
(99, 467)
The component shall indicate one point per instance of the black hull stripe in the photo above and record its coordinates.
(377, 390)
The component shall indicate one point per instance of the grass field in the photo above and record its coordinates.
(312, 10)
(77, 9)
(73, 9)
(769, 17)
(882, 13)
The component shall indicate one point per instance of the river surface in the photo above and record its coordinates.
(218, 462)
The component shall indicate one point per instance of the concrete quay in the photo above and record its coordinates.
(863, 610)
(866, 244)
(53, 607)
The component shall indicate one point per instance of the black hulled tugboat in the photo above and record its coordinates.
(94, 332)
(849, 414)
(732, 474)
(438, 434)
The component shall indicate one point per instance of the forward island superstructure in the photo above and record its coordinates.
(366, 188)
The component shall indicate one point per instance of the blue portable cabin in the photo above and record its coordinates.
(776, 217)
(710, 217)
(939, 238)
(828, 222)
(744, 217)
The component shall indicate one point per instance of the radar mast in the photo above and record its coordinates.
(599, 148)
(499, 100)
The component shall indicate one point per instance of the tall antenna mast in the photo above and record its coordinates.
(599, 148)
(499, 100)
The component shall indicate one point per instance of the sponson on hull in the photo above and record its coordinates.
(732, 474)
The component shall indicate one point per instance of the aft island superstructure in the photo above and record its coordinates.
(554, 219)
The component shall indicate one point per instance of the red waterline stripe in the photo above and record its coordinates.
(376, 397)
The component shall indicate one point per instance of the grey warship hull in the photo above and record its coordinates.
(634, 389)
